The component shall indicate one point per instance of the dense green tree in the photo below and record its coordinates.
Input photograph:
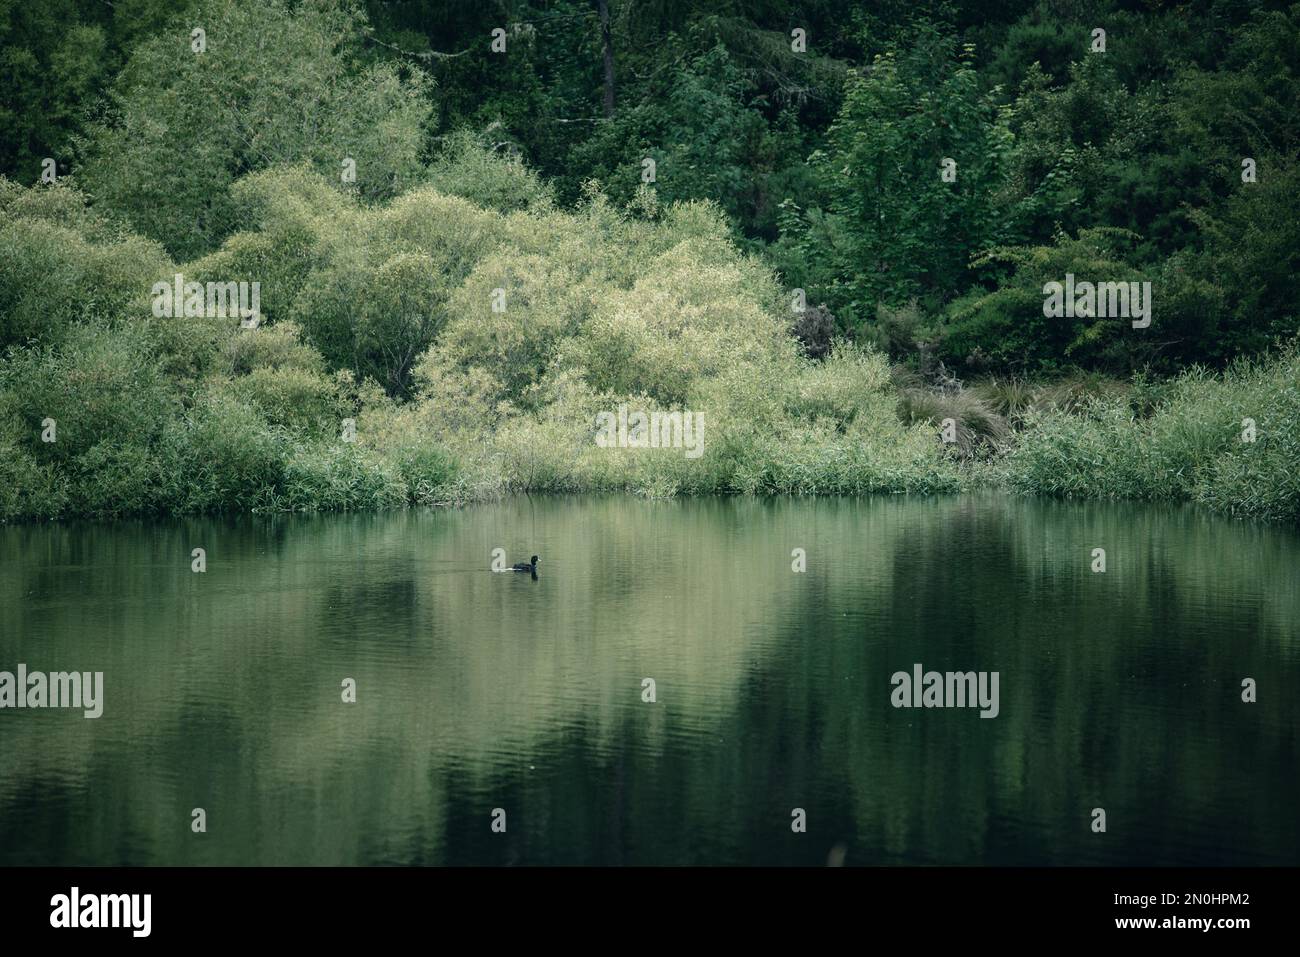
(908, 183)
(1007, 328)
(55, 60)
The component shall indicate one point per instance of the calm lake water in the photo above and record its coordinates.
(476, 691)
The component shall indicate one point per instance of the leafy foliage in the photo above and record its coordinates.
(501, 271)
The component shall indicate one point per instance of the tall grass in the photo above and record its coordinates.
(1193, 445)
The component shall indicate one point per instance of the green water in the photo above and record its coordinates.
(222, 690)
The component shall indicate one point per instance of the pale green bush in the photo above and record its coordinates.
(269, 347)
(488, 179)
(296, 399)
(544, 305)
(98, 386)
(60, 266)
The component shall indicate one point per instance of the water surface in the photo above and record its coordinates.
(478, 691)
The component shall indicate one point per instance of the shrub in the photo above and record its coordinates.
(465, 167)
(814, 329)
(295, 399)
(29, 489)
(98, 386)
(221, 456)
(978, 427)
(336, 477)
(117, 477)
(59, 267)
(269, 347)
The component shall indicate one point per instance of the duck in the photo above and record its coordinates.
(522, 567)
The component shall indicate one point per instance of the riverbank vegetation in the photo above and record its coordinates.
(798, 274)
